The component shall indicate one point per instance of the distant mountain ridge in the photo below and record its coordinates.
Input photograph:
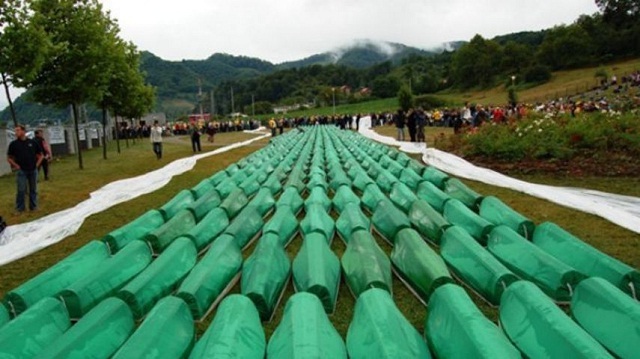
(177, 82)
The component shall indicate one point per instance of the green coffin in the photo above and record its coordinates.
(317, 220)
(365, 265)
(495, 211)
(402, 196)
(351, 220)
(427, 221)
(236, 332)
(388, 220)
(435, 176)
(460, 215)
(284, 224)
(296, 337)
(432, 195)
(419, 265)
(234, 203)
(343, 196)
(212, 225)
(181, 201)
(458, 190)
(379, 330)
(456, 328)
(291, 198)
(136, 229)
(205, 204)
(179, 224)
(540, 329)
(245, 227)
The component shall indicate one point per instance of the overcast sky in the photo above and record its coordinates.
(286, 30)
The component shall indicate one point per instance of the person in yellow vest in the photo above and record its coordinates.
(272, 126)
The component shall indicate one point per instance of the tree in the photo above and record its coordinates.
(476, 63)
(74, 72)
(620, 13)
(566, 47)
(24, 45)
(405, 98)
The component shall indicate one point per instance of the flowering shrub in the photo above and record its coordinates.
(554, 136)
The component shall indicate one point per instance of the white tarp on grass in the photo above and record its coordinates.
(621, 210)
(20, 240)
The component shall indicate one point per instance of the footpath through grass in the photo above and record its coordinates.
(600, 233)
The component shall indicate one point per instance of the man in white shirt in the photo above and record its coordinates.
(156, 139)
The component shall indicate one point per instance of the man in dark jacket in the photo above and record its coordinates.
(25, 155)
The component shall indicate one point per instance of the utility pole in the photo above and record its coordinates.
(213, 105)
(200, 96)
(233, 108)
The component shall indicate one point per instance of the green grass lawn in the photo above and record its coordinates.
(69, 186)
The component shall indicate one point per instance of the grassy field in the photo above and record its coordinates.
(69, 186)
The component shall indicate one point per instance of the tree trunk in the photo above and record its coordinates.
(6, 90)
(75, 125)
(104, 132)
(117, 133)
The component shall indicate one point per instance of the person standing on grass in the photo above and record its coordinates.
(195, 139)
(24, 156)
(46, 151)
(400, 122)
(155, 135)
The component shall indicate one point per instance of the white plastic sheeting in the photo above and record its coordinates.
(621, 210)
(20, 240)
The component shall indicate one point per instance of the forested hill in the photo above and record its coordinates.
(177, 82)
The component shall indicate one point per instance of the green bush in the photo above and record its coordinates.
(429, 102)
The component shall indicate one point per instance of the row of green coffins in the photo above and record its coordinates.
(412, 259)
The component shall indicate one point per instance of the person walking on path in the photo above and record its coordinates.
(24, 156)
(155, 136)
(272, 126)
(400, 122)
(195, 139)
(46, 151)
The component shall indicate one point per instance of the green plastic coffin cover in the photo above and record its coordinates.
(427, 221)
(316, 269)
(181, 201)
(245, 227)
(263, 202)
(540, 329)
(317, 220)
(98, 335)
(135, 229)
(433, 195)
(160, 278)
(608, 315)
(365, 265)
(232, 169)
(236, 332)
(318, 196)
(386, 180)
(284, 224)
(460, 215)
(475, 265)
(410, 178)
(421, 267)
(167, 332)
(205, 204)
(435, 176)
(34, 330)
(372, 196)
(213, 273)
(456, 328)
(291, 198)
(218, 178)
(296, 338)
(226, 188)
(458, 190)
(4, 315)
(388, 220)
(239, 176)
(378, 330)
(531, 263)
(296, 179)
(362, 180)
(107, 279)
(234, 203)
(402, 196)
(495, 211)
(273, 184)
(351, 220)
(212, 225)
(180, 224)
(339, 179)
(48, 283)
(344, 195)
(205, 186)
(264, 276)
(417, 167)
(584, 258)
(317, 180)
